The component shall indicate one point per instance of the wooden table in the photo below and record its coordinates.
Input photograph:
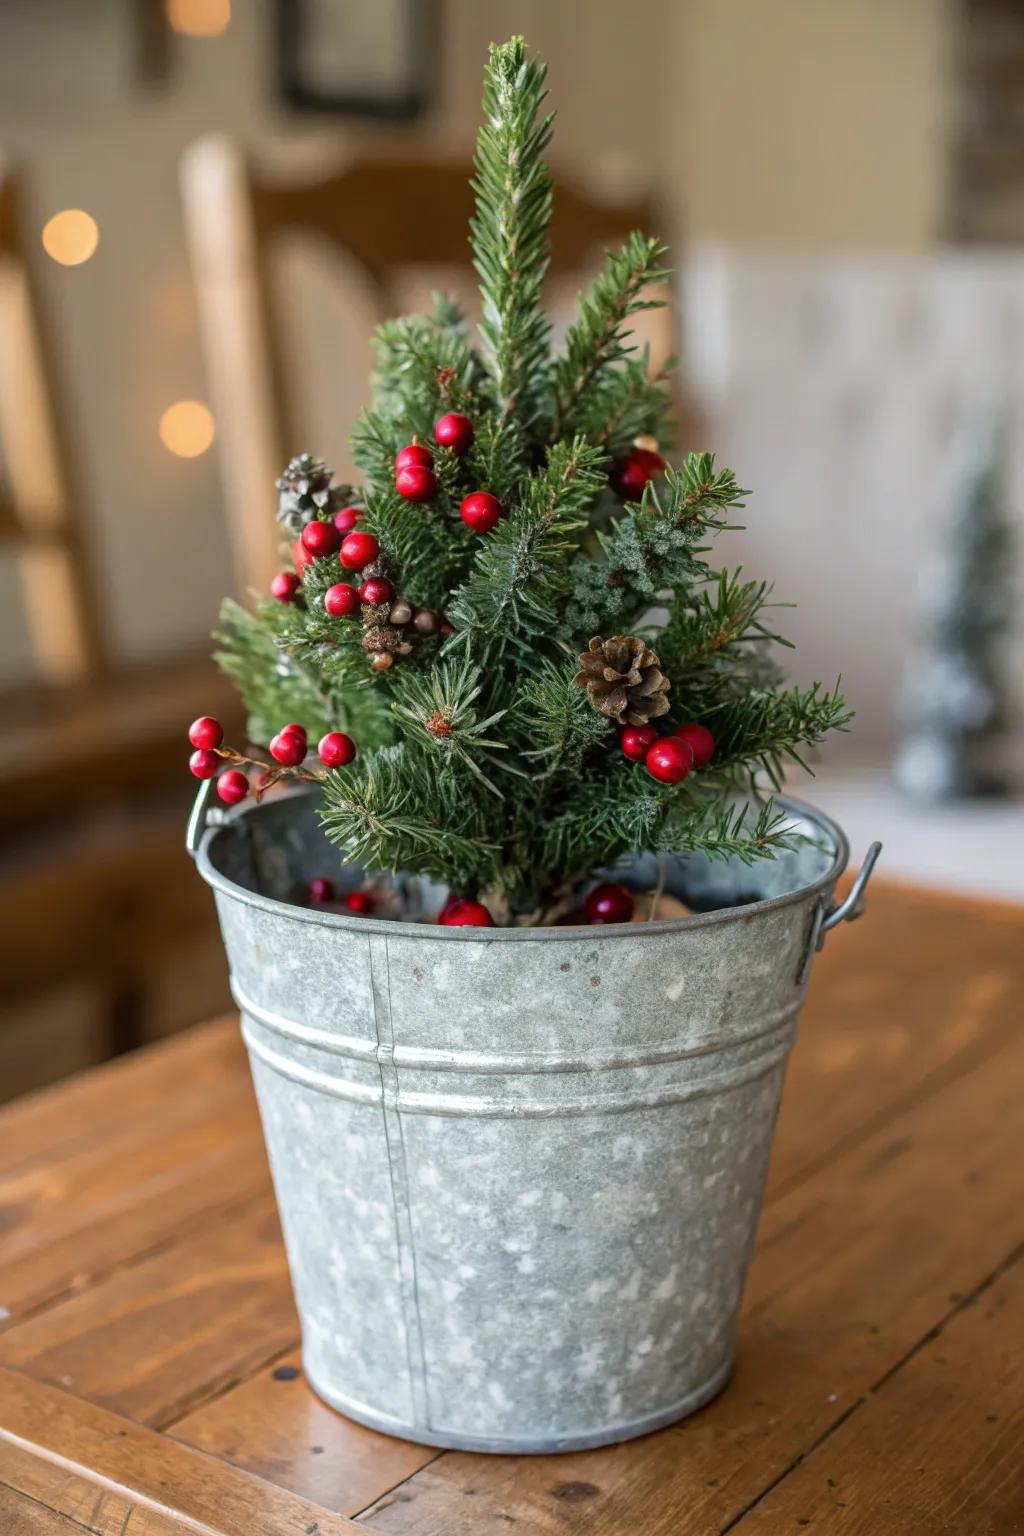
(149, 1379)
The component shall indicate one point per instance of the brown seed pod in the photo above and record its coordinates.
(381, 637)
(426, 621)
(381, 660)
(401, 611)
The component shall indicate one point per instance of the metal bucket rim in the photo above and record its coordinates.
(395, 929)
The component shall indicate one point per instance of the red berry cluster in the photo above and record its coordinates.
(206, 734)
(414, 473)
(289, 749)
(321, 893)
(668, 758)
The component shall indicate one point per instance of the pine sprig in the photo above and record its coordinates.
(519, 577)
(654, 549)
(599, 338)
(399, 809)
(629, 402)
(715, 624)
(554, 721)
(439, 711)
(760, 732)
(510, 230)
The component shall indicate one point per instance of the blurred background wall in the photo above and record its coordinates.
(825, 126)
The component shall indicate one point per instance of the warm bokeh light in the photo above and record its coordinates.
(187, 428)
(70, 237)
(199, 18)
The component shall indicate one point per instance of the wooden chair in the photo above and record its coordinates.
(38, 514)
(411, 213)
(94, 883)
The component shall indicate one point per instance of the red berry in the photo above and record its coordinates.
(293, 728)
(300, 559)
(465, 914)
(480, 511)
(361, 902)
(346, 519)
(630, 474)
(285, 586)
(700, 741)
(341, 600)
(232, 786)
(609, 904)
(669, 760)
(320, 539)
(288, 748)
(416, 482)
(206, 732)
(320, 890)
(336, 749)
(417, 455)
(634, 741)
(357, 550)
(377, 589)
(454, 431)
(204, 763)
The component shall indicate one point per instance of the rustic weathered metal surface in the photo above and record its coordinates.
(519, 1170)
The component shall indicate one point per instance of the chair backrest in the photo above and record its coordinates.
(408, 214)
(37, 509)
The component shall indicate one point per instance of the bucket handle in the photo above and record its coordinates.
(202, 816)
(846, 912)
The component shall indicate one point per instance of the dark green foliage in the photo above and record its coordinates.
(481, 761)
(599, 340)
(510, 231)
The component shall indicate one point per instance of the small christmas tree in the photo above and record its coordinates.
(513, 618)
(957, 697)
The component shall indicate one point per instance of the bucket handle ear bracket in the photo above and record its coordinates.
(202, 816)
(847, 911)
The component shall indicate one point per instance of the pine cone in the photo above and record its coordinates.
(624, 680)
(304, 490)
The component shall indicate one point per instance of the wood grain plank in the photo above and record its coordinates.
(276, 1426)
(102, 1202)
(854, 1267)
(939, 1447)
(111, 1514)
(84, 1460)
(131, 1089)
(154, 1339)
(900, 1002)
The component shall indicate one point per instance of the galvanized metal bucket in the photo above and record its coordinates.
(519, 1170)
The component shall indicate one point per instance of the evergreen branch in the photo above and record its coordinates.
(722, 830)
(628, 402)
(400, 810)
(759, 732)
(510, 230)
(436, 710)
(519, 577)
(653, 549)
(555, 719)
(598, 339)
(715, 625)
(277, 687)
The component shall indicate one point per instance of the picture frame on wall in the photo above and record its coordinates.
(356, 58)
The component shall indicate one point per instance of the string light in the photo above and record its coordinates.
(187, 428)
(70, 237)
(199, 18)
